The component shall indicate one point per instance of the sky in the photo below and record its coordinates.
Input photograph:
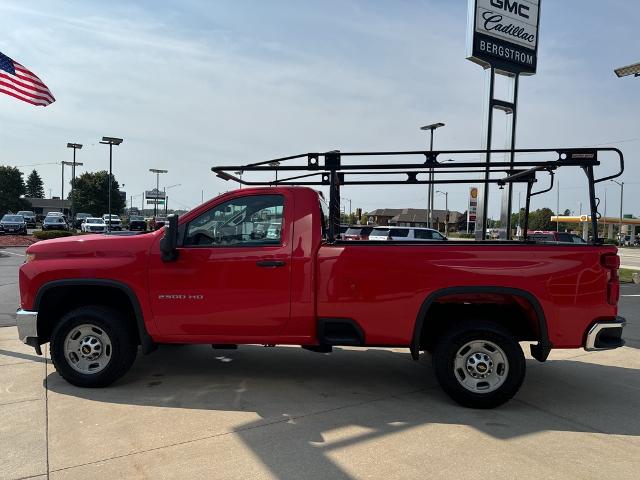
(193, 84)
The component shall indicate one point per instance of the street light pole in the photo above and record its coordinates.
(430, 190)
(111, 141)
(621, 184)
(75, 146)
(446, 208)
(275, 164)
(166, 199)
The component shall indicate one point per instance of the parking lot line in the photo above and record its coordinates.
(13, 253)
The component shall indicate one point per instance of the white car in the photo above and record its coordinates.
(115, 222)
(93, 225)
(406, 234)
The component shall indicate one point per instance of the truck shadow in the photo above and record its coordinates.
(304, 400)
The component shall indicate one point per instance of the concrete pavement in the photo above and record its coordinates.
(190, 412)
(630, 257)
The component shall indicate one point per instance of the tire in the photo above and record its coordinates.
(101, 332)
(479, 364)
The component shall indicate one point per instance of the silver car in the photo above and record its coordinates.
(406, 234)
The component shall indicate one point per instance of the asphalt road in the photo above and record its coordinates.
(10, 260)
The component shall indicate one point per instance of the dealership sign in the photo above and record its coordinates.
(503, 34)
(154, 194)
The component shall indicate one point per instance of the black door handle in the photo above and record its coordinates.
(270, 263)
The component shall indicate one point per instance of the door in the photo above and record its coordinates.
(232, 275)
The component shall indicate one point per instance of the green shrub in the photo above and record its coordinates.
(51, 234)
(461, 235)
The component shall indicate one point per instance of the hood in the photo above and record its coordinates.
(96, 245)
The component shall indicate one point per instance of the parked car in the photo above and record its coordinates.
(183, 284)
(113, 223)
(93, 225)
(406, 234)
(543, 236)
(357, 233)
(13, 224)
(80, 218)
(137, 222)
(159, 222)
(29, 218)
(54, 222)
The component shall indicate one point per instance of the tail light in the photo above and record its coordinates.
(611, 262)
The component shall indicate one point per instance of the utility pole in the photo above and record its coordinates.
(62, 186)
(430, 189)
(75, 146)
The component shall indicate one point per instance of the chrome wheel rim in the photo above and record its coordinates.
(87, 349)
(481, 366)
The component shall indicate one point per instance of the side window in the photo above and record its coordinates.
(399, 232)
(423, 234)
(245, 221)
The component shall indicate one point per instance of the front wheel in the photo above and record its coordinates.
(93, 346)
(479, 364)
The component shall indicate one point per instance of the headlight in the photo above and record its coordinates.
(29, 257)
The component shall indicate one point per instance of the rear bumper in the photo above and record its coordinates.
(605, 335)
(28, 328)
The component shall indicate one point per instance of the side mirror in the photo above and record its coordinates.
(169, 242)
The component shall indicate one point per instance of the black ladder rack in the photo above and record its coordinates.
(329, 169)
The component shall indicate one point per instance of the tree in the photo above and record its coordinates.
(538, 219)
(11, 189)
(35, 187)
(91, 194)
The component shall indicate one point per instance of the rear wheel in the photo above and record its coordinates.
(93, 346)
(479, 364)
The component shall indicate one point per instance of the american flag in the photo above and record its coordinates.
(19, 82)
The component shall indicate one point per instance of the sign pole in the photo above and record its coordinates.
(502, 37)
(510, 143)
(483, 200)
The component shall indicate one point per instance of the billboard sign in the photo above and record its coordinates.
(154, 194)
(504, 34)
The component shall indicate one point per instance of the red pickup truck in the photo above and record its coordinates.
(253, 267)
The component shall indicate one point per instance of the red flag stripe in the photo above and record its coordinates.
(30, 78)
(24, 85)
(25, 93)
(24, 99)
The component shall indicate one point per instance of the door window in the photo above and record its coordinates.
(253, 220)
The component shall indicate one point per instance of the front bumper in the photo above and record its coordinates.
(28, 328)
(605, 335)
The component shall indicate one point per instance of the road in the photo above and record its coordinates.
(630, 257)
(10, 260)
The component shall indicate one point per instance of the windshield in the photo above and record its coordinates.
(380, 232)
(53, 220)
(24, 212)
(137, 219)
(13, 218)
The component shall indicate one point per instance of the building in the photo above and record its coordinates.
(42, 206)
(414, 217)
